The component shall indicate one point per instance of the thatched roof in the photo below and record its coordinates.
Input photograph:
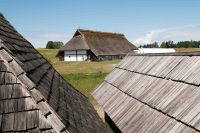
(76, 43)
(33, 95)
(153, 93)
(100, 43)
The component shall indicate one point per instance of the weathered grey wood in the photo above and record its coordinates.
(10, 78)
(20, 121)
(36, 95)
(32, 119)
(55, 122)
(5, 91)
(0, 120)
(7, 122)
(5, 55)
(165, 85)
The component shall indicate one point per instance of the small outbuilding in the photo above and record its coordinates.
(95, 45)
(148, 93)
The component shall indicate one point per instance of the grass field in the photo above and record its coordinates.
(187, 49)
(84, 76)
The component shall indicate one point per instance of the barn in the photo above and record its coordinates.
(34, 98)
(148, 93)
(95, 45)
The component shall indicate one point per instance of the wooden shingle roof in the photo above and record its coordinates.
(100, 43)
(33, 95)
(153, 93)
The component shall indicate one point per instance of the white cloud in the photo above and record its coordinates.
(186, 32)
(40, 40)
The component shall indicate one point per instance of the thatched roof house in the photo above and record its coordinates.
(95, 45)
(33, 95)
(153, 93)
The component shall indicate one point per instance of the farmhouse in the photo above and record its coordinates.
(33, 95)
(95, 45)
(153, 93)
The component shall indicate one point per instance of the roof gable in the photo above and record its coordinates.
(76, 43)
(64, 108)
(153, 93)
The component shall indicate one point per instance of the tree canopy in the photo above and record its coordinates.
(54, 44)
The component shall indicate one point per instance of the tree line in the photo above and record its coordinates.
(171, 44)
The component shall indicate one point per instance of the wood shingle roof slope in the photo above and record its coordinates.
(153, 93)
(100, 43)
(33, 95)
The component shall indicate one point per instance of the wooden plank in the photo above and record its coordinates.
(44, 107)
(4, 54)
(15, 67)
(2, 77)
(21, 104)
(5, 91)
(56, 123)
(7, 122)
(10, 78)
(28, 83)
(32, 119)
(20, 121)
(0, 120)
(30, 104)
(18, 91)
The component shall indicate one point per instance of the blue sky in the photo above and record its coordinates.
(142, 21)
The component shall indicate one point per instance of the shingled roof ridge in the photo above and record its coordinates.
(179, 81)
(48, 113)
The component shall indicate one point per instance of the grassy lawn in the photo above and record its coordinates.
(84, 76)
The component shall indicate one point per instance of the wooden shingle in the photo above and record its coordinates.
(153, 93)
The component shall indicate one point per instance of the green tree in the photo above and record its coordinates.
(163, 45)
(54, 45)
(151, 45)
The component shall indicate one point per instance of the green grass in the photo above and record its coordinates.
(85, 82)
(64, 67)
(84, 76)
